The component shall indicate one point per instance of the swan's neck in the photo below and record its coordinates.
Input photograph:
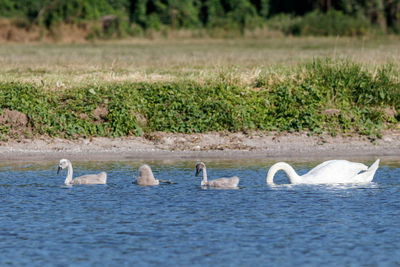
(204, 181)
(68, 180)
(291, 174)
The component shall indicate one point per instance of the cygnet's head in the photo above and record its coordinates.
(199, 167)
(62, 165)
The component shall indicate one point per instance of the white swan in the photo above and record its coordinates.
(100, 178)
(231, 182)
(146, 176)
(328, 172)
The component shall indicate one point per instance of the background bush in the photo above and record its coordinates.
(319, 17)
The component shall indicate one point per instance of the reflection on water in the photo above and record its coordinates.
(44, 222)
(324, 187)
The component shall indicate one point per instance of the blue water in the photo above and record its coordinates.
(43, 222)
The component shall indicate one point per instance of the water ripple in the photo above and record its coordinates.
(44, 222)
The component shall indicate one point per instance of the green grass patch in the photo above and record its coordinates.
(318, 97)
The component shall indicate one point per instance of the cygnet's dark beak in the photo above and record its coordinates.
(58, 170)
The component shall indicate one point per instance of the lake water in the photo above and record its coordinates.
(43, 222)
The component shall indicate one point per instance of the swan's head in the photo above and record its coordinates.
(62, 165)
(199, 167)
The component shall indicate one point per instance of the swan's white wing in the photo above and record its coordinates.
(224, 182)
(100, 178)
(334, 171)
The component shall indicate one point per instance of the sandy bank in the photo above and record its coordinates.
(211, 145)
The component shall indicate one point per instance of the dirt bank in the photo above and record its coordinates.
(211, 145)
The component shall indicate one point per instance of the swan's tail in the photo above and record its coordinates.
(368, 175)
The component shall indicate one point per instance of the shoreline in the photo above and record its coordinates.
(232, 146)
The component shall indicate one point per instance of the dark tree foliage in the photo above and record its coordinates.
(294, 7)
(152, 14)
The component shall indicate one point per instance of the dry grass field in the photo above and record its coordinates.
(241, 61)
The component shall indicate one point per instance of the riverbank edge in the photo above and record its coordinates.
(213, 146)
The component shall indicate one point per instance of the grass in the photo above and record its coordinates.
(130, 88)
(239, 61)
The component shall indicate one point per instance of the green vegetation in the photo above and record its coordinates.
(116, 18)
(135, 88)
(320, 97)
(317, 23)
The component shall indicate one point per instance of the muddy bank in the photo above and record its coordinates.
(197, 146)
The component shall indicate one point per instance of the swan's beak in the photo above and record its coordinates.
(58, 170)
(197, 171)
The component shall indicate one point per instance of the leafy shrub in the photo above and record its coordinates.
(318, 23)
(332, 23)
(358, 98)
(287, 24)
